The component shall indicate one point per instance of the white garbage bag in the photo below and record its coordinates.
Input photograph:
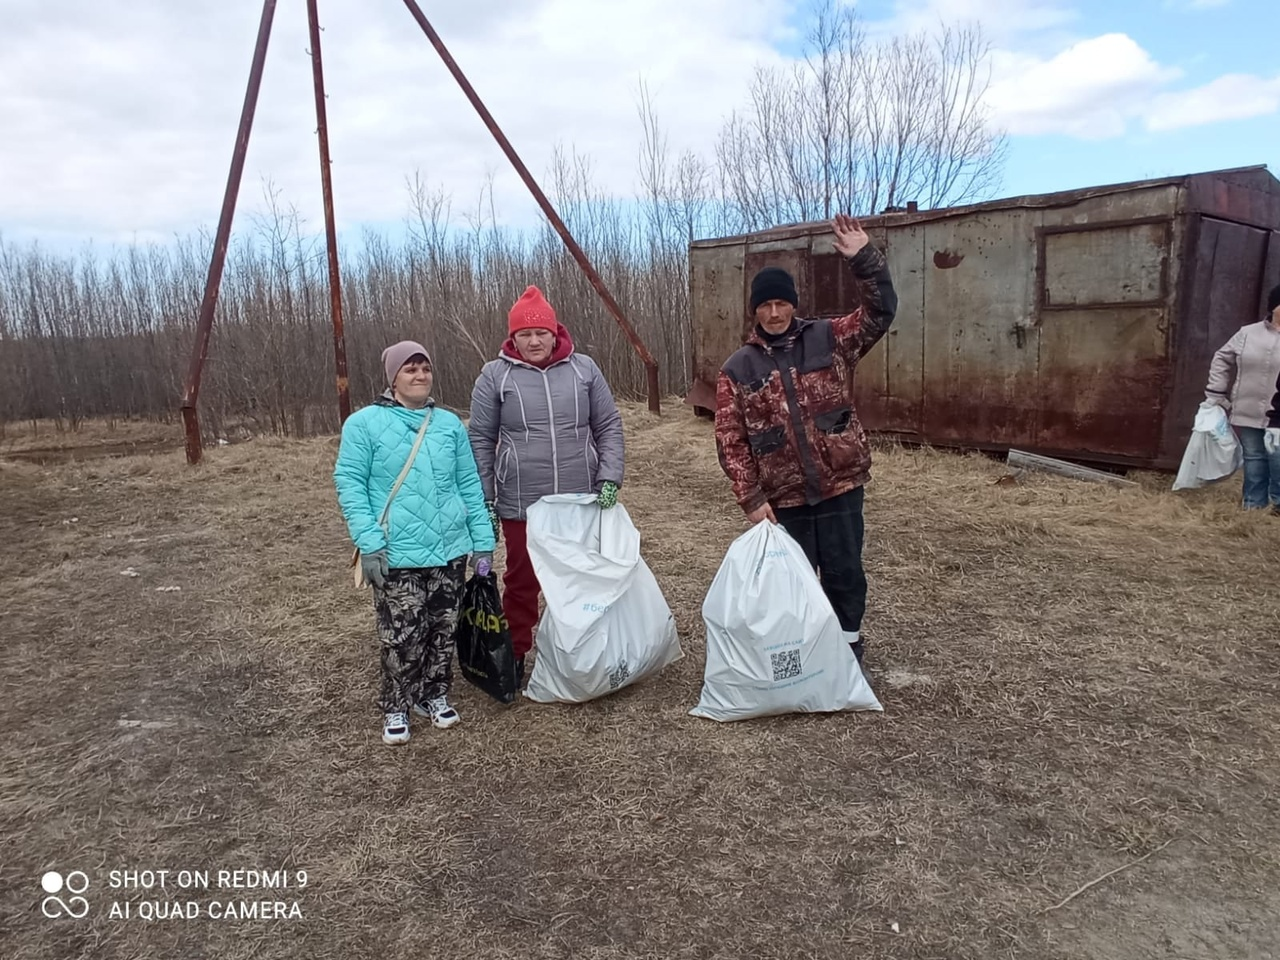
(774, 644)
(606, 623)
(1213, 452)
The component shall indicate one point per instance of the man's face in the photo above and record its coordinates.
(775, 315)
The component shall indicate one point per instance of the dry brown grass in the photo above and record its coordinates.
(47, 441)
(1072, 675)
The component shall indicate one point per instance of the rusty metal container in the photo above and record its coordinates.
(1077, 324)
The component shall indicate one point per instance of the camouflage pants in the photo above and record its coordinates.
(417, 611)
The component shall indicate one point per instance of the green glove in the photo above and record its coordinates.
(608, 494)
(374, 567)
(495, 520)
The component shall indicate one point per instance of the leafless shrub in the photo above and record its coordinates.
(855, 126)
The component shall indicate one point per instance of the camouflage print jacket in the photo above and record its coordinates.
(786, 429)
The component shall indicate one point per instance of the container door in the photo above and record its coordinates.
(1103, 318)
(715, 301)
(1230, 268)
(980, 346)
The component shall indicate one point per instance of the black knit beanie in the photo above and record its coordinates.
(1273, 298)
(773, 283)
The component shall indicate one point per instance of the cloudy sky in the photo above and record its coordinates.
(118, 116)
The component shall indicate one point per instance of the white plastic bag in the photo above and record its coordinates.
(774, 644)
(1213, 452)
(606, 623)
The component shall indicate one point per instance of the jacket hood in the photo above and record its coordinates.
(562, 351)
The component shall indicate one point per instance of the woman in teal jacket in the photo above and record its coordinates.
(413, 550)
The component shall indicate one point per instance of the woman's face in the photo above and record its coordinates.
(535, 345)
(413, 383)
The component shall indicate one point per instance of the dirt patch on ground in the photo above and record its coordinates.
(1072, 676)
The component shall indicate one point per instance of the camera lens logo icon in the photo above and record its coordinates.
(76, 907)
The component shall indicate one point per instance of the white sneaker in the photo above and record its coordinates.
(395, 728)
(442, 715)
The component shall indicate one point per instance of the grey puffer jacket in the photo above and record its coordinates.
(541, 431)
(1244, 372)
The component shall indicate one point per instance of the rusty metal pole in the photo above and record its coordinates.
(330, 231)
(200, 350)
(651, 365)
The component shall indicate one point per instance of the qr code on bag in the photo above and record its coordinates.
(785, 664)
(619, 676)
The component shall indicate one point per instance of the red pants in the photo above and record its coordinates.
(519, 588)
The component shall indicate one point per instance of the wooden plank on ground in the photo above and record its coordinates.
(1033, 461)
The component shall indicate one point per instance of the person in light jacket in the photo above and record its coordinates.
(1241, 379)
(543, 421)
(416, 559)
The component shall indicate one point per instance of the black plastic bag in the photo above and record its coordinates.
(484, 640)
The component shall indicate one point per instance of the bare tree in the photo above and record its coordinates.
(854, 126)
(861, 125)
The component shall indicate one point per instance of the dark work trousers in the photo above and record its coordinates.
(831, 534)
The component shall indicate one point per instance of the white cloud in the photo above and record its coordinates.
(1048, 80)
(119, 115)
(1090, 90)
(1231, 97)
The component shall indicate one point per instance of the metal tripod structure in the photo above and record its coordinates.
(204, 326)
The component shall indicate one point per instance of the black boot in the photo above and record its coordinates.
(857, 651)
(519, 672)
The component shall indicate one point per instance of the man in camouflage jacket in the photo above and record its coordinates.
(787, 433)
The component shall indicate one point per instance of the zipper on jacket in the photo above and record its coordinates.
(551, 417)
(812, 477)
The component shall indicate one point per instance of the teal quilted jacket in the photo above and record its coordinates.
(438, 514)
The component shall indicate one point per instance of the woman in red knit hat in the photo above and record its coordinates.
(543, 421)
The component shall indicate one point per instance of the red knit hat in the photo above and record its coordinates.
(531, 311)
